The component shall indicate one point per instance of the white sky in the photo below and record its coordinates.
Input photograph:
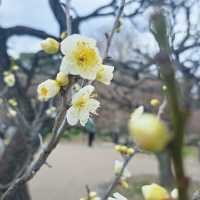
(37, 14)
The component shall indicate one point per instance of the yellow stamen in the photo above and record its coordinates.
(81, 102)
(85, 56)
(44, 91)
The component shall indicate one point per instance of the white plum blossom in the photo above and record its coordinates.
(47, 90)
(50, 45)
(51, 112)
(105, 74)
(81, 56)
(9, 79)
(83, 104)
(118, 167)
(11, 112)
(117, 196)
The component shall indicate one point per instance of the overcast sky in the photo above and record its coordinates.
(37, 14)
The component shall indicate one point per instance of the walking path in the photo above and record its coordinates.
(75, 165)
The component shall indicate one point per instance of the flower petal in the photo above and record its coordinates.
(72, 116)
(105, 74)
(66, 67)
(84, 116)
(70, 42)
(93, 104)
(87, 90)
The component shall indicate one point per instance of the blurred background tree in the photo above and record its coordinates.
(136, 79)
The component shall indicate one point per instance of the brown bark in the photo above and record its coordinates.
(12, 162)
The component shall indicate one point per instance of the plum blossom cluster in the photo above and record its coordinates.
(124, 150)
(151, 134)
(9, 79)
(81, 58)
(9, 76)
(125, 173)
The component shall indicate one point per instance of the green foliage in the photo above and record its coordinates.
(72, 134)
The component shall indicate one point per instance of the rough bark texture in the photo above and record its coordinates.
(12, 161)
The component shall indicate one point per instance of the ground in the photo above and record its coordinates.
(75, 165)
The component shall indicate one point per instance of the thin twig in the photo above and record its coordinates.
(162, 107)
(119, 175)
(68, 17)
(115, 25)
(37, 164)
(59, 124)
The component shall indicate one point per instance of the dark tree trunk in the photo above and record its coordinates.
(4, 58)
(165, 169)
(12, 162)
(75, 25)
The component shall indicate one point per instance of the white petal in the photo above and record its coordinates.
(93, 105)
(118, 196)
(72, 116)
(87, 90)
(67, 67)
(118, 166)
(107, 74)
(126, 174)
(90, 75)
(137, 113)
(70, 42)
(174, 193)
(84, 116)
(146, 189)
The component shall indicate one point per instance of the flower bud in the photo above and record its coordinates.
(117, 148)
(155, 102)
(47, 90)
(50, 45)
(174, 193)
(155, 192)
(149, 132)
(62, 79)
(124, 184)
(9, 79)
(12, 102)
(123, 149)
(63, 35)
(130, 151)
(11, 112)
(164, 87)
(15, 67)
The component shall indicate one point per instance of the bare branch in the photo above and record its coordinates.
(115, 25)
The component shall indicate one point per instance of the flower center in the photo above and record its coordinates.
(86, 57)
(81, 102)
(44, 91)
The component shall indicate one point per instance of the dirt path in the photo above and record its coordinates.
(76, 165)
